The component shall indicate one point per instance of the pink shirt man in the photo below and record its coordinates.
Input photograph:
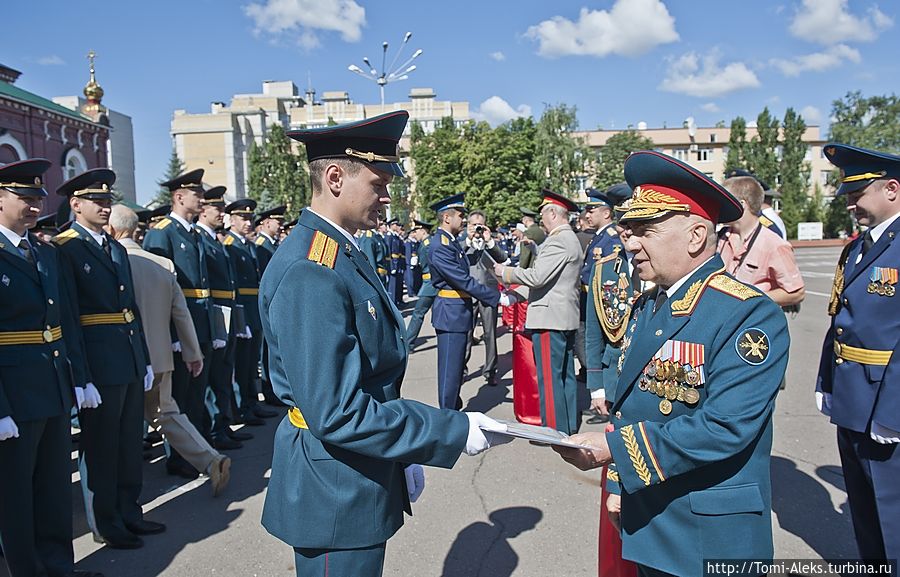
(769, 263)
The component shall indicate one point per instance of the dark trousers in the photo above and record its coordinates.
(557, 389)
(221, 381)
(367, 562)
(395, 288)
(871, 473)
(190, 392)
(644, 571)
(111, 448)
(423, 305)
(246, 363)
(265, 383)
(36, 499)
(488, 316)
(451, 366)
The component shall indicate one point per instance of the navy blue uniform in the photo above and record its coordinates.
(413, 275)
(427, 293)
(396, 267)
(452, 315)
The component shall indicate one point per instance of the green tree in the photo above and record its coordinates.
(400, 199)
(610, 166)
(838, 222)
(256, 168)
(559, 157)
(175, 168)
(498, 169)
(278, 175)
(872, 122)
(737, 145)
(760, 152)
(793, 174)
(437, 162)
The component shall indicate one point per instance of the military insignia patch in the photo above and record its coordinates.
(372, 310)
(5, 280)
(445, 241)
(752, 345)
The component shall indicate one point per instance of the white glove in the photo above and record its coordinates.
(598, 394)
(148, 379)
(8, 430)
(248, 333)
(481, 440)
(883, 435)
(414, 260)
(508, 298)
(79, 397)
(218, 344)
(176, 347)
(823, 403)
(92, 398)
(415, 481)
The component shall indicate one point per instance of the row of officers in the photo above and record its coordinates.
(127, 335)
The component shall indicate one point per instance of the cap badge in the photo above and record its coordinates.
(5, 280)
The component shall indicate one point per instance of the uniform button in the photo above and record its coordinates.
(846, 302)
(48, 327)
(55, 353)
(122, 287)
(124, 310)
(839, 361)
(618, 414)
(131, 332)
(839, 330)
(658, 332)
(49, 301)
(203, 280)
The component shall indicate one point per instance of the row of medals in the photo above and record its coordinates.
(881, 288)
(671, 381)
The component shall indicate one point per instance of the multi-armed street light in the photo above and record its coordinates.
(390, 73)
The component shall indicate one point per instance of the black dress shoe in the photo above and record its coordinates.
(598, 419)
(491, 379)
(123, 541)
(153, 437)
(225, 443)
(144, 527)
(79, 573)
(184, 470)
(264, 413)
(250, 420)
(238, 435)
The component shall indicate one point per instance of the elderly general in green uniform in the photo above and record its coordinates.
(341, 474)
(703, 357)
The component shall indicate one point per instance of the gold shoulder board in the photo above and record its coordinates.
(323, 249)
(65, 236)
(445, 241)
(163, 223)
(735, 288)
(260, 240)
(228, 240)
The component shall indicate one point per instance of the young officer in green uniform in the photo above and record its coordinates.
(102, 290)
(341, 473)
(702, 360)
(176, 238)
(41, 360)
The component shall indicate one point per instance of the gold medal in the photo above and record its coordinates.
(692, 377)
(889, 290)
(665, 406)
(651, 369)
(651, 386)
(691, 396)
(643, 383)
(680, 396)
(679, 373)
(872, 288)
(671, 391)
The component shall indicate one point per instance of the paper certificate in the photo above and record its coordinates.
(543, 435)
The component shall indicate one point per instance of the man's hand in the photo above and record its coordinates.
(600, 405)
(883, 435)
(595, 456)
(194, 367)
(8, 428)
(614, 510)
(823, 403)
(498, 270)
(219, 344)
(92, 398)
(415, 481)
(508, 298)
(481, 440)
(148, 379)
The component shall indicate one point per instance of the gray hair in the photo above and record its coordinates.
(558, 210)
(123, 219)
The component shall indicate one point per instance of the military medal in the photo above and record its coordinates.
(691, 396)
(691, 377)
(882, 281)
(680, 396)
(671, 391)
(665, 406)
(643, 383)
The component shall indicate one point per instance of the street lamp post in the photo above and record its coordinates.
(389, 73)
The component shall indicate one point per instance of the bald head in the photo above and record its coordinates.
(123, 221)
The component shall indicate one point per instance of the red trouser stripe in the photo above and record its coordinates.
(547, 368)
(326, 564)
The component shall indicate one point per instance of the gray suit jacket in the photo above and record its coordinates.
(553, 281)
(161, 302)
(481, 267)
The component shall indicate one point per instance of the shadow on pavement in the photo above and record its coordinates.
(805, 509)
(484, 549)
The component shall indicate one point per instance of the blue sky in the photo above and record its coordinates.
(619, 61)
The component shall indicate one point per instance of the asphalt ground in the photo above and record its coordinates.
(516, 510)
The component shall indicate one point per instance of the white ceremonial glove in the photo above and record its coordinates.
(8, 430)
(414, 261)
(247, 332)
(79, 397)
(176, 347)
(148, 379)
(92, 398)
(415, 481)
(883, 435)
(823, 403)
(481, 440)
(218, 344)
(508, 298)
(598, 394)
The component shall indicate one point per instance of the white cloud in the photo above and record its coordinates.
(629, 28)
(704, 78)
(709, 107)
(496, 111)
(498, 56)
(52, 60)
(831, 57)
(305, 18)
(829, 21)
(812, 115)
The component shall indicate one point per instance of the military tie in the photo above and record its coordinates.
(107, 248)
(25, 249)
(661, 298)
(867, 242)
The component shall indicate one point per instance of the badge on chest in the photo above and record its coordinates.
(882, 281)
(674, 374)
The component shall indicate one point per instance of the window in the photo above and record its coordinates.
(680, 154)
(712, 137)
(705, 155)
(75, 164)
(823, 177)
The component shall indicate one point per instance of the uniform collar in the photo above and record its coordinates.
(272, 240)
(187, 226)
(670, 292)
(208, 230)
(879, 230)
(99, 238)
(13, 238)
(237, 236)
(346, 234)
